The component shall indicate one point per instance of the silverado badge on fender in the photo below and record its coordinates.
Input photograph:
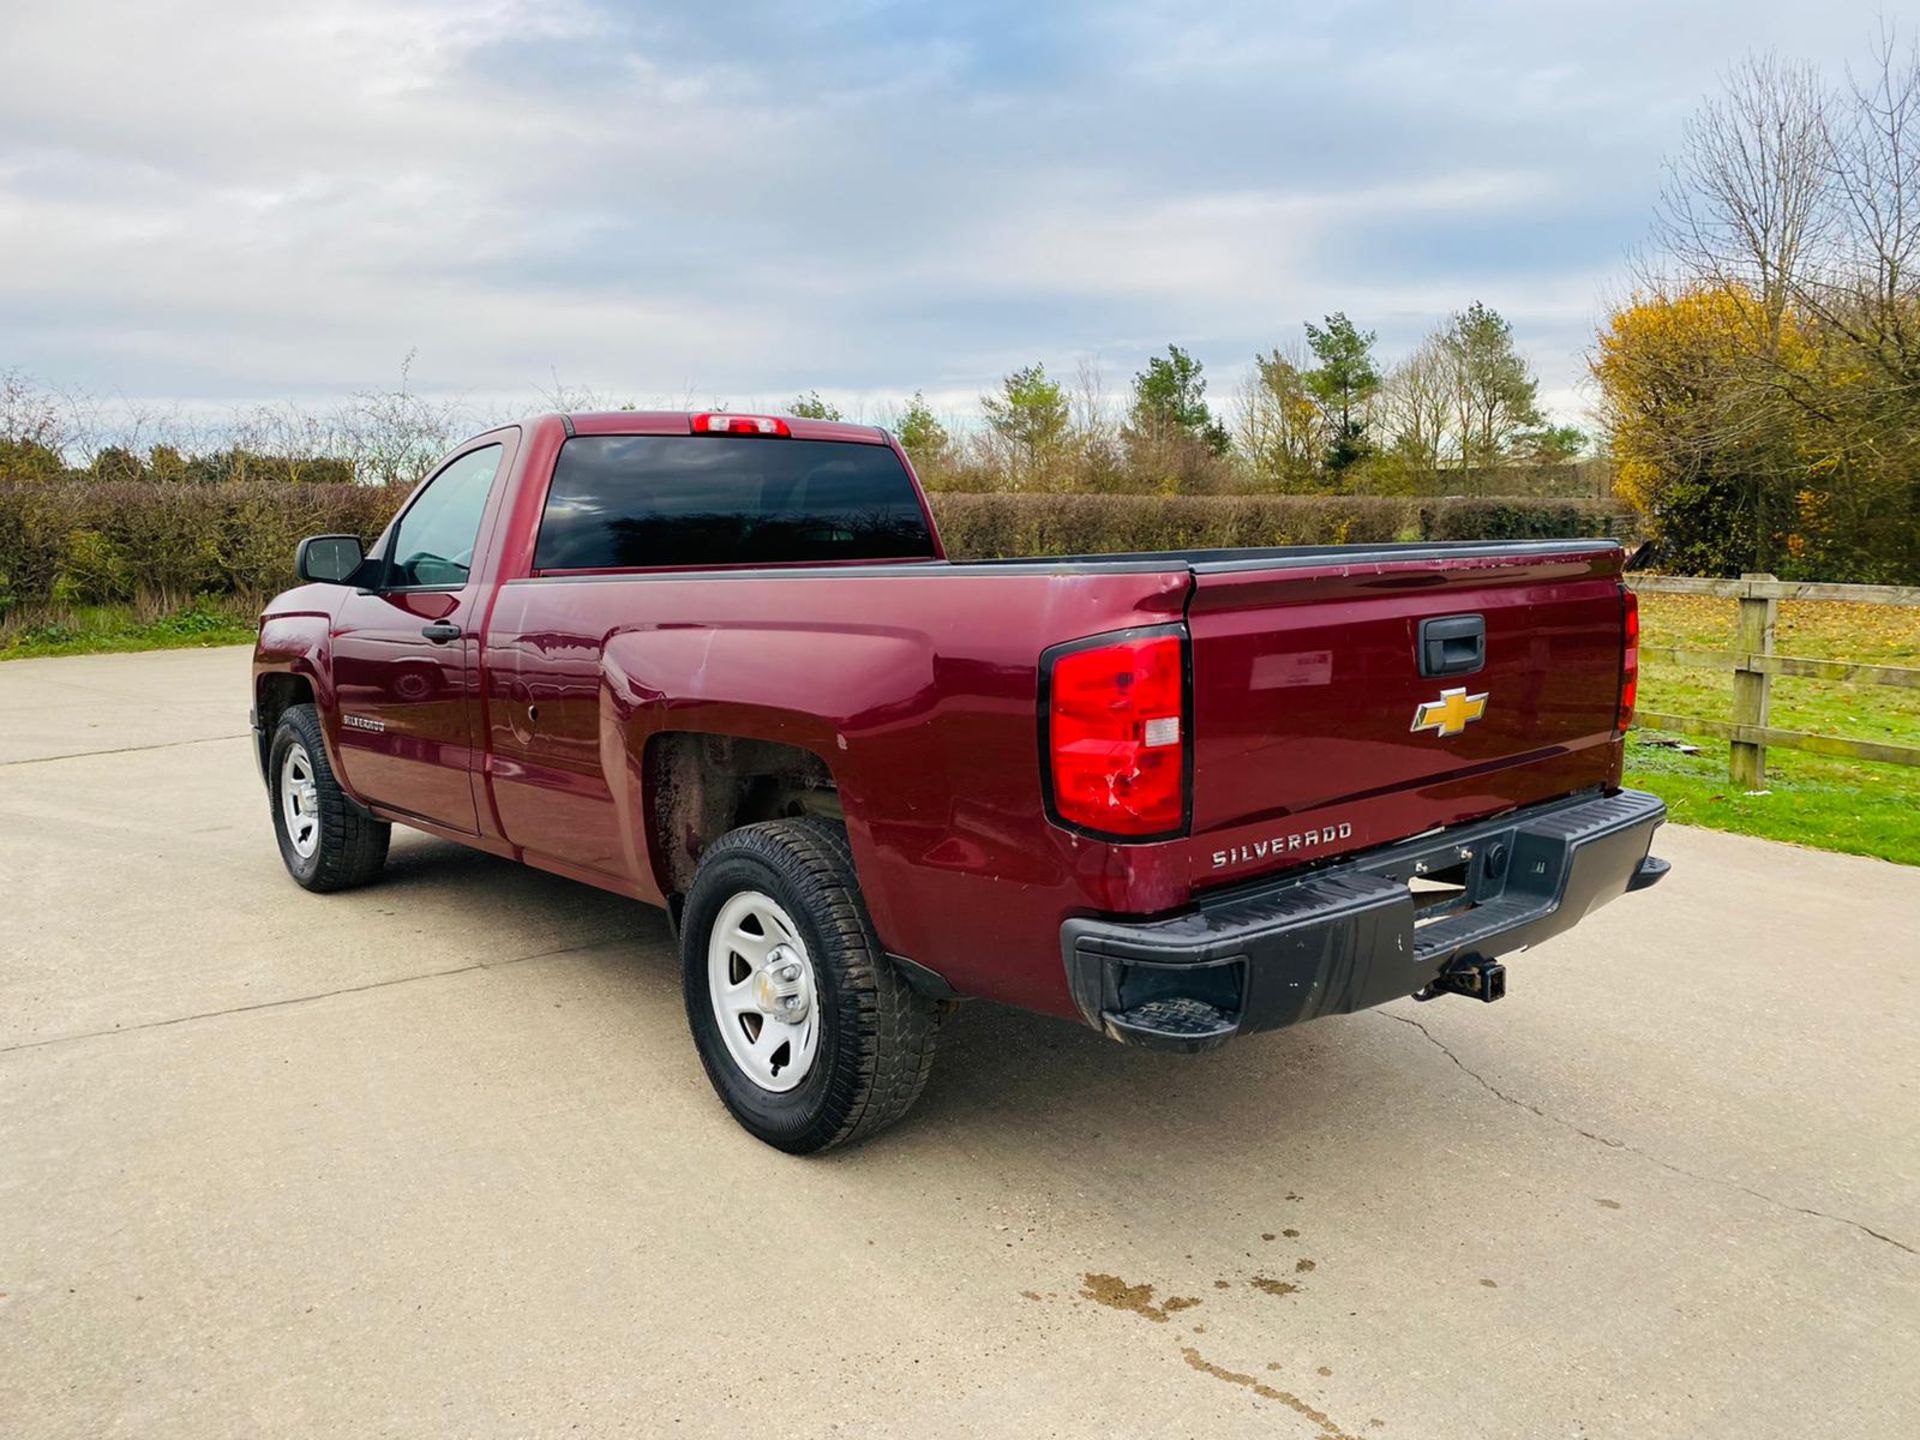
(1451, 713)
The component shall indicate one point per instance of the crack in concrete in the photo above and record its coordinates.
(309, 999)
(1651, 1159)
(123, 750)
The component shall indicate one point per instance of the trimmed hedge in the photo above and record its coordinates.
(993, 526)
(91, 542)
(1522, 519)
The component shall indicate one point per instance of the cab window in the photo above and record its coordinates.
(653, 501)
(433, 544)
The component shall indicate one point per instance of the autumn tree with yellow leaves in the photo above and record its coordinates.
(1704, 440)
(1761, 390)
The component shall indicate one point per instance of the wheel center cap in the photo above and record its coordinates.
(780, 988)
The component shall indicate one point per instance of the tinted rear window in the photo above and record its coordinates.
(647, 500)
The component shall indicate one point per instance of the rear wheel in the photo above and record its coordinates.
(808, 1033)
(326, 840)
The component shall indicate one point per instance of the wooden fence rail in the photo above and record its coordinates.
(1765, 587)
(1753, 664)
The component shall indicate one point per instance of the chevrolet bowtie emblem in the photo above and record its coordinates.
(1450, 714)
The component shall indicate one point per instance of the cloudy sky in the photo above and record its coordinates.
(210, 203)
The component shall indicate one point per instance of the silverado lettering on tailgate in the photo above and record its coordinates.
(1281, 845)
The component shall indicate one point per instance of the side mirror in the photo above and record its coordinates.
(329, 559)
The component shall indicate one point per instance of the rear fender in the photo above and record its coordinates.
(836, 694)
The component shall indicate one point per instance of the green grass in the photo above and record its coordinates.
(102, 629)
(1853, 806)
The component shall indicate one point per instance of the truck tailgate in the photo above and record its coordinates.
(1316, 732)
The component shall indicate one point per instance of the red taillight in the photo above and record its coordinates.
(1116, 736)
(722, 424)
(1629, 664)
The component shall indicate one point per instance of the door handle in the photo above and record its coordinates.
(441, 631)
(1453, 645)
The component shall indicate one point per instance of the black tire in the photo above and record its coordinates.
(877, 1035)
(352, 846)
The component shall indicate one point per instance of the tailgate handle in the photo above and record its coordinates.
(1453, 645)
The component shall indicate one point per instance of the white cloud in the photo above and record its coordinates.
(215, 199)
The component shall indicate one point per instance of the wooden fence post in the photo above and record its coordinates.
(1752, 635)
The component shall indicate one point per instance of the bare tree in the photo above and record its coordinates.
(1871, 291)
(394, 436)
(569, 398)
(1417, 405)
(1094, 428)
(30, 414)
(1090, 412)
(1745, 202)
(287, 441)
(35, 436)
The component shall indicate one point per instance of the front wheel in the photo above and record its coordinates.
(327, 841)
(808, 1033)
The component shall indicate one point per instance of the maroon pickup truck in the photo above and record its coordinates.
(719, 663)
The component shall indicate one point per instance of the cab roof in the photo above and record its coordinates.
(680, 422)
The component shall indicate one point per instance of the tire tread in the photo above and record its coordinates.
(894, 1030)
(353, 845)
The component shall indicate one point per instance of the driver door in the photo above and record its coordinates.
(405, 652)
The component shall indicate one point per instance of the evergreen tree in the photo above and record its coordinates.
(1343, 384)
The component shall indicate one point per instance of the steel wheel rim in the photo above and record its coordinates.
(300, 801)
(766, 1003)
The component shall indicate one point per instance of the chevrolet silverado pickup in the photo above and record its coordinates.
(720, 663)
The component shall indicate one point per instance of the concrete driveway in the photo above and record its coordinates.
(437, 1158)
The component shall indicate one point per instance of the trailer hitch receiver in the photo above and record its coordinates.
(1479, 979)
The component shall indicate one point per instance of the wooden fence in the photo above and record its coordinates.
(1754, 664)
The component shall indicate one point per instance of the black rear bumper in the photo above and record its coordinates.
(1344, 938)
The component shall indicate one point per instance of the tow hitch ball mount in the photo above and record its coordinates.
(1480, 979)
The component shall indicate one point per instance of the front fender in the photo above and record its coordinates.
(296, 643)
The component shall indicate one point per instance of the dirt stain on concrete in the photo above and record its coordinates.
(1273, 1286)
(1301, 1267)
(1491, 1284)
(1117, 1294)
(1266, 1392)
(1291, 1234)
(1607, 1204)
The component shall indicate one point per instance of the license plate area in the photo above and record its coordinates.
(1447, 880)
(1441, 894)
